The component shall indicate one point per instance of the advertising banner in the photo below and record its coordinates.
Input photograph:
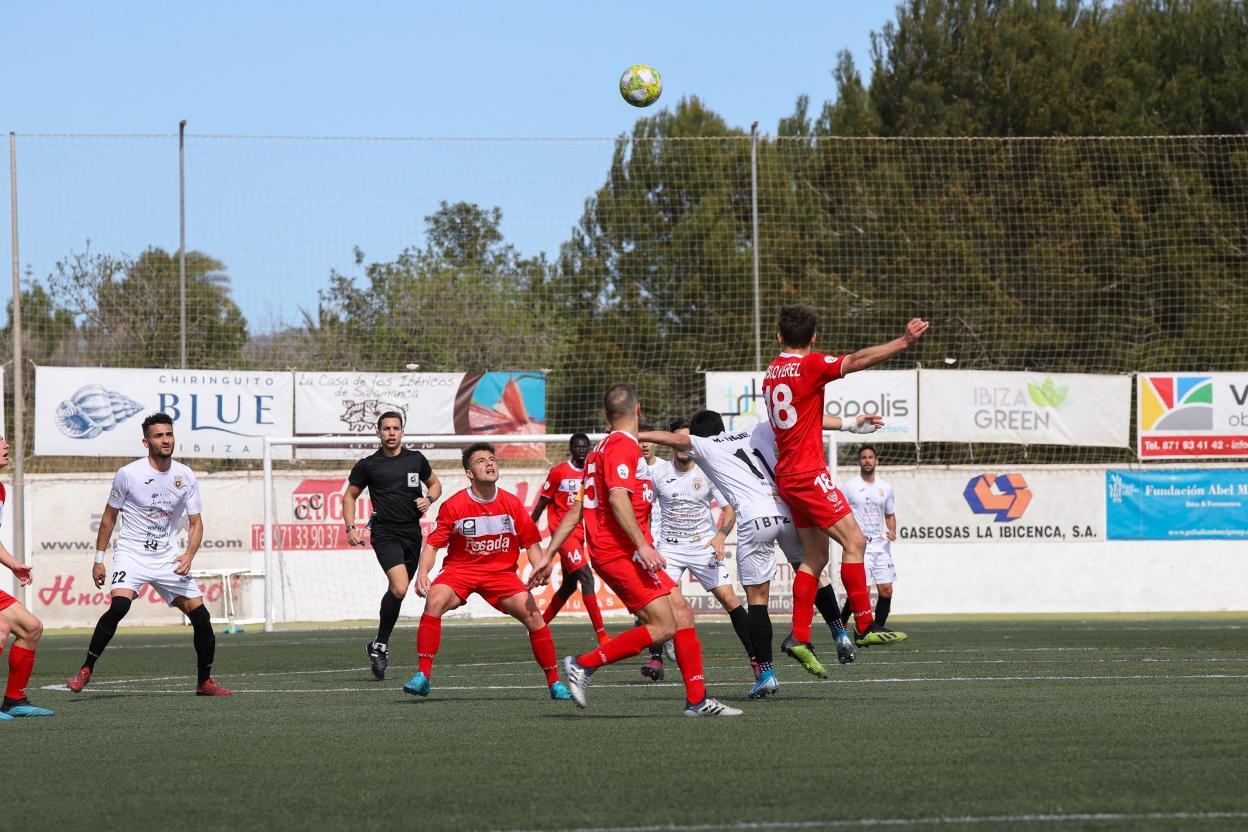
(890, 394)
(1192, 415)
(1028, 505)
(1194, 504)
(1025, 408)
(449, 403)
(217, 414)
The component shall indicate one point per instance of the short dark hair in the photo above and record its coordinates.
(706, 423)
(619, 401)
(797, 325)
(156, 419)
(679, 423)
(572, 439)
(870, 448)
(466, 456)
(390, 414)
(645, 426)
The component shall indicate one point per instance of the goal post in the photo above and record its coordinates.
(268, 565)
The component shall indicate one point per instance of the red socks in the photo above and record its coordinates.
(428, 637)
(805, 585)
(689, 657)
(21, 663)
(552, 609)
(626, 644)
(595, 616)
(854, 576)
(544, 651)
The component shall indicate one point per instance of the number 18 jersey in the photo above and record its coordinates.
(793, 393)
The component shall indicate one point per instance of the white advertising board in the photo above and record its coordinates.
(217, 414)
(1025, 408)
(890, 394)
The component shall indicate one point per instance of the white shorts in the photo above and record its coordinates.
(707, 571)
(756, 548)
(132, 572)
(879, 564)
(791, 543)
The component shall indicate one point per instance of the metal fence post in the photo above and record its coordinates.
(758, 326)
(182, 236)
(18, 447)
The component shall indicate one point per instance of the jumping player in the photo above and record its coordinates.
(871, 499)
(485, 528)
(402, 487)
(16, 619)
(793, 392)
(616, 499)
(558, 494)
(150, 495)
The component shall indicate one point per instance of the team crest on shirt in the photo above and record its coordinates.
(697, 484)
(177, 482)
(881, 492)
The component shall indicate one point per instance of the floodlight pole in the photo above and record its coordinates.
(182, 238)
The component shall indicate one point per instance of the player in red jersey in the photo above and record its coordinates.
(16, 619)
(485, 529)
(793, 393)
(558, 494)
(615, 499)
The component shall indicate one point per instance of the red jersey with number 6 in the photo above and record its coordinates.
(793, 394)
(615, 463)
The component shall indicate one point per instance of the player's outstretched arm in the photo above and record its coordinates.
(569, 523)
(194, 537)
(108, 520)
(870, 356)
(536, 514)
(679, 441)
(622, 509)
(542, 566)
(22, 571)
(862, 424)
(425, 565)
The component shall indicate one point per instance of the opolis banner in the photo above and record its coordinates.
(221, 414)
(431, 403)
(1192, 415)
(1025, 408)
(890, 394)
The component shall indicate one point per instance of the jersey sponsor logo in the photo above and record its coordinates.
(1006, 496)
(829, 359)
(488, 546)
(486, 525)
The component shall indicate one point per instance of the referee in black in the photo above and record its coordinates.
(402, 486)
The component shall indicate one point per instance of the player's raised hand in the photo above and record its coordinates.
(914, 330)
(22, 571)
(422, 584)
(868, 424)
(182, 564)
(98, 575)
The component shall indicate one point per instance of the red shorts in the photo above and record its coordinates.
(635, 585)
(6, 600)
(813, 499)
(493, 585)
(573, 557)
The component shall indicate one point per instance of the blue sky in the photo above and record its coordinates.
(282, 214)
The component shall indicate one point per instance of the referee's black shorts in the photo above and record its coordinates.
(397, 545)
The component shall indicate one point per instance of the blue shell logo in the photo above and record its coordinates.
(92, 410)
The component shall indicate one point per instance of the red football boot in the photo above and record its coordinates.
(211, 688)
(79, 680)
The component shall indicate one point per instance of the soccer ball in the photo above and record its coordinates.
(641, 85)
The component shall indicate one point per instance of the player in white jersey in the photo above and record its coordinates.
(150, 495)
(653, 667)
(690, 540)
(744, 475)
(871, 499)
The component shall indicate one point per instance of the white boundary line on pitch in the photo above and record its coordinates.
(947, 820)
(638, 686)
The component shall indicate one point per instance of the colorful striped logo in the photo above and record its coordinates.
(1176, 403)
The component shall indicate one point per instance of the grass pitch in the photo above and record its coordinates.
(1018, 724)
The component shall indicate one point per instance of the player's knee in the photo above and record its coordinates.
(398, 588)
(34, 630)
(885, 590)
(567, 588)
(118, 607)
(200, 617)
(586, 579)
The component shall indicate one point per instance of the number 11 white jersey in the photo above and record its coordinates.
(744, 477)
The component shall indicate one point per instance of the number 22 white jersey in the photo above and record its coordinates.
(151, 504)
